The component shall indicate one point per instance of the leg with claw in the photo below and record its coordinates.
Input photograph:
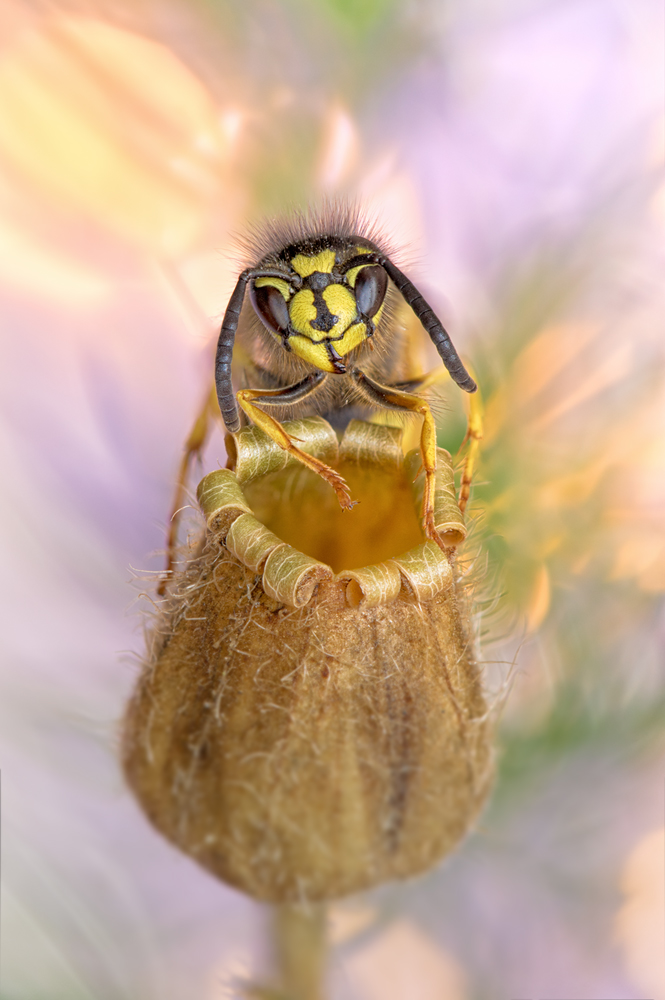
(252, 402)
(193, 447)
(474, 435)
(474, 429)
(398, 399)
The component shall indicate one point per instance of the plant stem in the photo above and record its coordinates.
(300, 944)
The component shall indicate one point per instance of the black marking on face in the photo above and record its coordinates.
(336, 359)
(317, 281)
(325, 320)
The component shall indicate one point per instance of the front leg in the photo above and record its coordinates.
(474, 435)
(290, 394)
(474, 429)
(398, 399)
(193, 448)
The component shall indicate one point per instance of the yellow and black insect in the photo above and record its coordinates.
(318, 337)
(320, 295)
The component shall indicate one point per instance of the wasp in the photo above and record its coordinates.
(314, 315)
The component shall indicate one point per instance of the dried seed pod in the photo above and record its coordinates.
(301, 734)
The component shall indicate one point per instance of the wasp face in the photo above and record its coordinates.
(321, 310)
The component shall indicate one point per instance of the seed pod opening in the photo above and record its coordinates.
(311, 721)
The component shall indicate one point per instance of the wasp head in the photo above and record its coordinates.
(321, 309)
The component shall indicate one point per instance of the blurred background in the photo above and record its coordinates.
(514, 148)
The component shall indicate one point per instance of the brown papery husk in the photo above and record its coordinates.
(305, 754)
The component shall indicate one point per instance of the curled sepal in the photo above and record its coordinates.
(291, 577)
(425, 570)
(254, 454)
(372, 444)
(372, 585)
(448, 518)
(221, 500)
(251, 542)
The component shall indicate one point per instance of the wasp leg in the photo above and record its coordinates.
(193, 447)
(421, 382)
(474, 428)
(248, 399)
(398, 399)
(474, 435)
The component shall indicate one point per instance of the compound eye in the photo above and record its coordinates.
(370, 289)
(270, 307)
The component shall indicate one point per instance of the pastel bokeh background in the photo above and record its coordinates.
(515, 147)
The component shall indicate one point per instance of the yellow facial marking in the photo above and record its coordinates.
(377, 316)
(316, 354)
(355, 271)
(281, 286)
(353, 274)
(342, 304)
(304, 265)
(353, 337)
(302, 312)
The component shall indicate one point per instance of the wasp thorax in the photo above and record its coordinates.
(311, 720)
